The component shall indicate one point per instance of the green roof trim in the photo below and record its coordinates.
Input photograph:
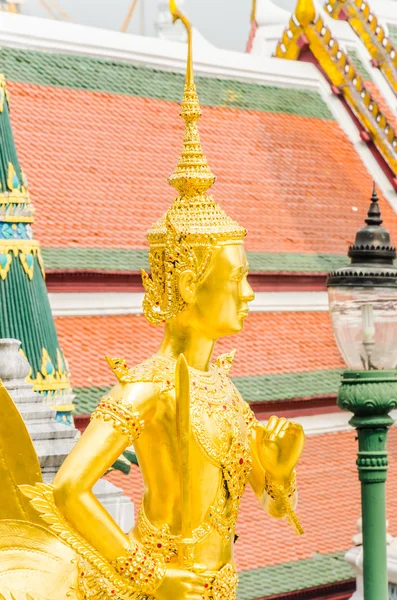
(392, 32)
(87, 398)
(321, 569)
(288, 262)
(358, 63)
(117, 259)
(117, 77)
(257, 388)
(287, 386)
(94, 259)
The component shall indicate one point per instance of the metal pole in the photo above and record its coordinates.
(372, 465)
(371, 395)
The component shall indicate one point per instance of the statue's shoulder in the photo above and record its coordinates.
(224, 362)
(152, 370)
(127, 406)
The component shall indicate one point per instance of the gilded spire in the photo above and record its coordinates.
(305, 12)
(192, 175)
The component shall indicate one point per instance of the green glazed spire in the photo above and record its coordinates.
(25, 311)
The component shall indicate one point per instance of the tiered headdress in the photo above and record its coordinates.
(186, 235)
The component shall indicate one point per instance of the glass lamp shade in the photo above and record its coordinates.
(364, 320)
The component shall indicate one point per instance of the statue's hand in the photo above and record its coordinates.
(279, 448)
(179, 584)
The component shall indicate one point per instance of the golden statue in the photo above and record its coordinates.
(197, 442)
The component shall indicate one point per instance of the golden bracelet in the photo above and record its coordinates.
(143, 573)
(282, 494)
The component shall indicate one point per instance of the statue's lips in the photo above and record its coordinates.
(243, 313)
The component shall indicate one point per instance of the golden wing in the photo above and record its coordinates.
(18, 463)
(34, 563)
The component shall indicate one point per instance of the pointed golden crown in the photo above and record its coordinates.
(185, 236)
(193, 213)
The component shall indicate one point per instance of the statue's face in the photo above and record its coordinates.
(221, 300)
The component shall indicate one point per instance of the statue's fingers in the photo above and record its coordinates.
(271, 424)
(281, 422)
(277, 428)
(283, 429)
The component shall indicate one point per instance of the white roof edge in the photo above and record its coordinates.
(33, 33)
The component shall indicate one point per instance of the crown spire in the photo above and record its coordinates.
(192, 175)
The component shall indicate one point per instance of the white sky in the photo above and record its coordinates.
(225, 23)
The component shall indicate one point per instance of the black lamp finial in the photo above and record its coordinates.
(374, 216)
(371, 256)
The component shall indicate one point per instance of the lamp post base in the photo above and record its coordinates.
(370, 396)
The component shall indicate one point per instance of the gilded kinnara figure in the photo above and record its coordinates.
(198, 443)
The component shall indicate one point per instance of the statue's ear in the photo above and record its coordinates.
(187, 286)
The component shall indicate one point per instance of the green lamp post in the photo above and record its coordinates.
(363, 308)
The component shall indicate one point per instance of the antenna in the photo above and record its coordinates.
(55, 10)
(128, 16)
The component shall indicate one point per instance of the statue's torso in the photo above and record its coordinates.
(220, 461)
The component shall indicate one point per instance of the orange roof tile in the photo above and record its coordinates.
(98, 164)
(270, 343)
(329, 505)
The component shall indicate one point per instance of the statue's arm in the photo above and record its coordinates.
(118, 418)
(273, 460)
(259, 478)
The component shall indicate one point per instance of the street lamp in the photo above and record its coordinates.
(363, 308)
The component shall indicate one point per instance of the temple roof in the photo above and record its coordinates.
(105, 136)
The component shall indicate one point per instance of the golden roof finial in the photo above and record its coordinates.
(192, 175)
(305, 12)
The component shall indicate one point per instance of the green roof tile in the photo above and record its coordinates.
(96, 259)
(392, 32)
(116, 259)
(284, 262)
(259, 388)
(321, 569)
(287, 386)
(358, 63)
(87, 398)
(117, 77)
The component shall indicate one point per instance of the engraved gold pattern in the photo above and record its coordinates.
(224, 584)
(214, 397)
(120, 414)
(282, 495)
(159, 541)
(101, 577)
